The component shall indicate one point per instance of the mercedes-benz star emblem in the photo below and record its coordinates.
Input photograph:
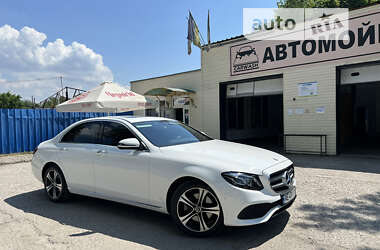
(286, 178)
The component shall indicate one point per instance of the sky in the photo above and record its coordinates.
(88, 42)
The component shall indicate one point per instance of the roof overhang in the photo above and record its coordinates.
(169, 92)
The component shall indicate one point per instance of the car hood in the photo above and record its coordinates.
(227, 156)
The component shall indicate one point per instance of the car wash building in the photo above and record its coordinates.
(309, 96)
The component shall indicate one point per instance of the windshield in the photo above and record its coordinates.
(168, 133)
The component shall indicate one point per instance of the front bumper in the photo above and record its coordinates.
(264, 210)
(243, 207)
(255, 212)
(260, 210)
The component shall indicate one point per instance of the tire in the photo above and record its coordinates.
(196, 210)
(55, 184)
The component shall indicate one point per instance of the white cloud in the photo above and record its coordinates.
(24, 55)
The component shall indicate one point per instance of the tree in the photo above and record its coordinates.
(9, 100)
(12, 101)
(327, 4)
(52, 102)
(29, 104)
(351, 4)
(296, 4)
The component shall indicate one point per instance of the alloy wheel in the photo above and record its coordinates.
(53, 185)
(198, 209)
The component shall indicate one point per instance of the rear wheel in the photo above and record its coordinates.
(196, 209)
(55, 184)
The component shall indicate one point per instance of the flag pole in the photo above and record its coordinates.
(208, 32)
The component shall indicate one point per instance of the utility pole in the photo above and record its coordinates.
(61, 82)
(67, 91)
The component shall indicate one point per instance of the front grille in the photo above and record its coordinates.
(282, 180)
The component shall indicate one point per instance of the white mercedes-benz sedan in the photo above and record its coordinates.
(164, 165)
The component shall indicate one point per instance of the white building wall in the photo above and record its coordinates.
(215, 68)
(310, 122)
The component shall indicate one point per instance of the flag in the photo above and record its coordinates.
(189, 35)
(208, 31)
(188, 46)
(193, 35)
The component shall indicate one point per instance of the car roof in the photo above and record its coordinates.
(133, 119)
(130, 119)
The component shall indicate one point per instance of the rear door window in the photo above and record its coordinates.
(88, 132)
(113, 132)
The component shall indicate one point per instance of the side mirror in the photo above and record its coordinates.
(130, 143)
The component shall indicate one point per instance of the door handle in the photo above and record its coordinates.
(64, 149)
(101, 151)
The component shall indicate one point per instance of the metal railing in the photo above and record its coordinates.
(60, 96)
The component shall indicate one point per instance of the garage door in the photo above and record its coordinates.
(256, 88)
(361, 74)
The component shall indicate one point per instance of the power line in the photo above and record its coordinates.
(74, 78)
(61, 82)
(32, 80)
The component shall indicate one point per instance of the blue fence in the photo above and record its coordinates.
(21, 130)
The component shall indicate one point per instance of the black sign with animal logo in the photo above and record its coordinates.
(245, 59)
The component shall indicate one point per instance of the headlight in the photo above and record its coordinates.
(243, 180)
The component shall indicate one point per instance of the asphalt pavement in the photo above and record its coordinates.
(336, 208)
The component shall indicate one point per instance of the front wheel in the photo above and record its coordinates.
(196, 209)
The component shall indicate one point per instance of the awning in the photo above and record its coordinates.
(168, 92)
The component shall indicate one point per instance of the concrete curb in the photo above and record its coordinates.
(15, 158)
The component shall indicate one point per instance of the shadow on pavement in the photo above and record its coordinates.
(140, 225)
(359, 214)
(341, 162)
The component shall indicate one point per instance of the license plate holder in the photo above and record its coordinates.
(287, 197)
